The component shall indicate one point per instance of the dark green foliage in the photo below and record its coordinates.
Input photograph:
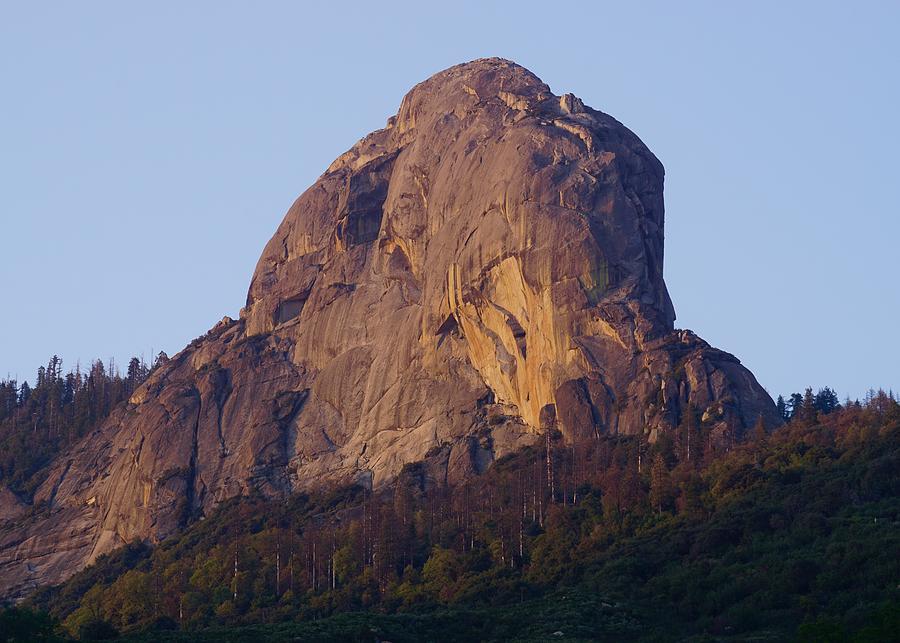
(37, 423)
(576, 615)
(24, 626)
(826, 401)
(792, 535)
(97, 629)
(796, 405)
(808, 411)
(781, 407)
(809, 406)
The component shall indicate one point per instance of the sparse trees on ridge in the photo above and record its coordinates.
(37, 423)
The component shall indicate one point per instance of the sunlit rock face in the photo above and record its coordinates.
(485, 267)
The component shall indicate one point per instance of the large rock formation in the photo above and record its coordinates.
(487, 266)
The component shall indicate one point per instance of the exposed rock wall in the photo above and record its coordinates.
(492, 257)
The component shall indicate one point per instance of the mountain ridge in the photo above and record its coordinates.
(483, 271)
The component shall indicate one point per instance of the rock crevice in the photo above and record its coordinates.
(490, 260)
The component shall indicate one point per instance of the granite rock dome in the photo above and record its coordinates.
(487, 267)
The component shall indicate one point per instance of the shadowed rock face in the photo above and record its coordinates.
(487, 265)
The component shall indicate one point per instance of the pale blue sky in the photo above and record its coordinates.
(149, 152)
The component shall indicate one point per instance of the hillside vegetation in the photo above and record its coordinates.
(792, 534)
(38, 422)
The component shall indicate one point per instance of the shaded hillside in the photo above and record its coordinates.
(609, 537)
(42, 419)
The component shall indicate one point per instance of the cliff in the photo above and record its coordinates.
(486, 268)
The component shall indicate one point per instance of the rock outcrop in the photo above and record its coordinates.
(488, 266)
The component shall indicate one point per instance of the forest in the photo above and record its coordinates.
(789, 534)
(39, 421)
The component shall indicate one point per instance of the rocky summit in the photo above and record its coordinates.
(486, 268)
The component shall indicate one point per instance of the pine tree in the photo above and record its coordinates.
(826, 401)
(796, 404)
(9, 398)
(665, 446)
(661, 493)
(808, 413)
(24, 394)
(161, 359)
(137, 373)
(781, 406)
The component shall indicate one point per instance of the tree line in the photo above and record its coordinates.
(808, 406)
(38, 421)
(613, 513)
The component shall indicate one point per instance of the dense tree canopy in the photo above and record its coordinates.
(791, 533)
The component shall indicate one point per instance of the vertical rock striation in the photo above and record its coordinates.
(489, 263)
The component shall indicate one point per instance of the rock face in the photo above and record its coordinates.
(486, 267)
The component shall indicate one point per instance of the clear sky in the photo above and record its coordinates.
(147, 153)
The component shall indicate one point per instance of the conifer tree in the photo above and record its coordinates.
(808, 408)
(826, 401)
(781, 406)
(796, 404)
(661, 492)
(24, 394)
